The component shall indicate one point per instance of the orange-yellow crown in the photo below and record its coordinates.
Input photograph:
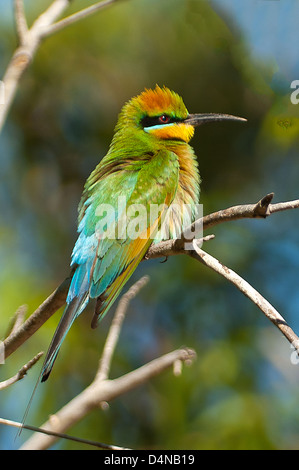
(161, 100)
(156, 102)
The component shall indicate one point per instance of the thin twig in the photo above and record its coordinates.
(17, 320)
(261, 209)
(30, 40)
(20, 20)
(104, 391)
(79, 15)
(24, 54)
(59, 435)
(263, 304)
(22, 372)
(37, 319)
(172, 247)
(282, 206)
(115, 327)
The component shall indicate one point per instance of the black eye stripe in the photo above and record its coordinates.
(148, 121)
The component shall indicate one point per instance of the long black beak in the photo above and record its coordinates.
(198, 119)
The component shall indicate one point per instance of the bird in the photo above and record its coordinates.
(149, 162)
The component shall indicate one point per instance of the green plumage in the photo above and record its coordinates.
(140, 168)
(149, 162)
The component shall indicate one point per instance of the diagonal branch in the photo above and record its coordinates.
(23, 55)
(271, 313)
(22, 372)
(102, 389)
(79, 15)
(261, 209)
(37, 319)
(100, 445)
(17, 320)
(30, 39)
(115, 328)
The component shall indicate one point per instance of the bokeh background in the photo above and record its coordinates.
(221, 56)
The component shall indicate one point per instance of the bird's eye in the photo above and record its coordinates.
(152, 121)
(164, 119)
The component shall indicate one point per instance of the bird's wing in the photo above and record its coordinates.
(117, 259)
(103, 264)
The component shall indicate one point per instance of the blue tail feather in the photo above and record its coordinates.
(70, 314)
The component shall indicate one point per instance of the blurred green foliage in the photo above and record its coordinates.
(242, 392)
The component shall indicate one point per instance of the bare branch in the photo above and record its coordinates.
(20, 20)
(26, 51)
(37, 319)
(22, 372)
(30, 40)
(58, 435)
(17, 320)
(282, 206)
(261, 209)
(79, 15)
(115, 328)
(271, 313)
(103, 391)
(171, 247)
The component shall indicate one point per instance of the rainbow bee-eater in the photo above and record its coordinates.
(149, 162)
